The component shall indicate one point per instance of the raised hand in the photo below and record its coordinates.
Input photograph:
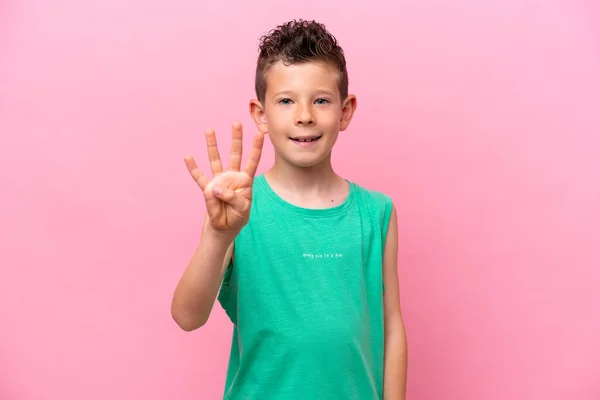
(228, 195)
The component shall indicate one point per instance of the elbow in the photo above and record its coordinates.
(185, 321)
(189, 327)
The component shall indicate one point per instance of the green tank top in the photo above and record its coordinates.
(305, 295)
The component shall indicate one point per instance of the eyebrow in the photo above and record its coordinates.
(283, 92)
(317, 92)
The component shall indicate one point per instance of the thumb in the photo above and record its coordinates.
(229, 196)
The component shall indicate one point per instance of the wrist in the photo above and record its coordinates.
(219, 238)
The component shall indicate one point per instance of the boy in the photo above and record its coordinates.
(303, 261)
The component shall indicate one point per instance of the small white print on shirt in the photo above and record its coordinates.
(322, 255)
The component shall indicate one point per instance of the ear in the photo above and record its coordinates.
(348, 108)
(257, 112)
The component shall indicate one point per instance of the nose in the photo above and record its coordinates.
(304, 115)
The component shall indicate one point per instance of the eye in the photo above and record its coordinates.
(285, 101)
(322, 101)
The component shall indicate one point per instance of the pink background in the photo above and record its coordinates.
(485, 116)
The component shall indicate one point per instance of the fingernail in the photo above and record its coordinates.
(217, 191)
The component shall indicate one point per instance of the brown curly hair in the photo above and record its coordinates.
(299, 41)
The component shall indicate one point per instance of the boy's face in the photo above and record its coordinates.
(302, 111)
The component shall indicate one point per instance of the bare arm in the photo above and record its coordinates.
(197, 290)
(228, 198)
(396, 357)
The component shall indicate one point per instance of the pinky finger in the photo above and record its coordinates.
(195, 172)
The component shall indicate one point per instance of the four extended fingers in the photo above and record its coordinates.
(235, 157)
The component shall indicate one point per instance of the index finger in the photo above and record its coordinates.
(255, 153)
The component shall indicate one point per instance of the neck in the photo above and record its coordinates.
(309, 180)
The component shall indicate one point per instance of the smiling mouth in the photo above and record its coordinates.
(306, 138)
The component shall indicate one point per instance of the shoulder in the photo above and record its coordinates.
(375, 200)
(380, 207)
(369, 193)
